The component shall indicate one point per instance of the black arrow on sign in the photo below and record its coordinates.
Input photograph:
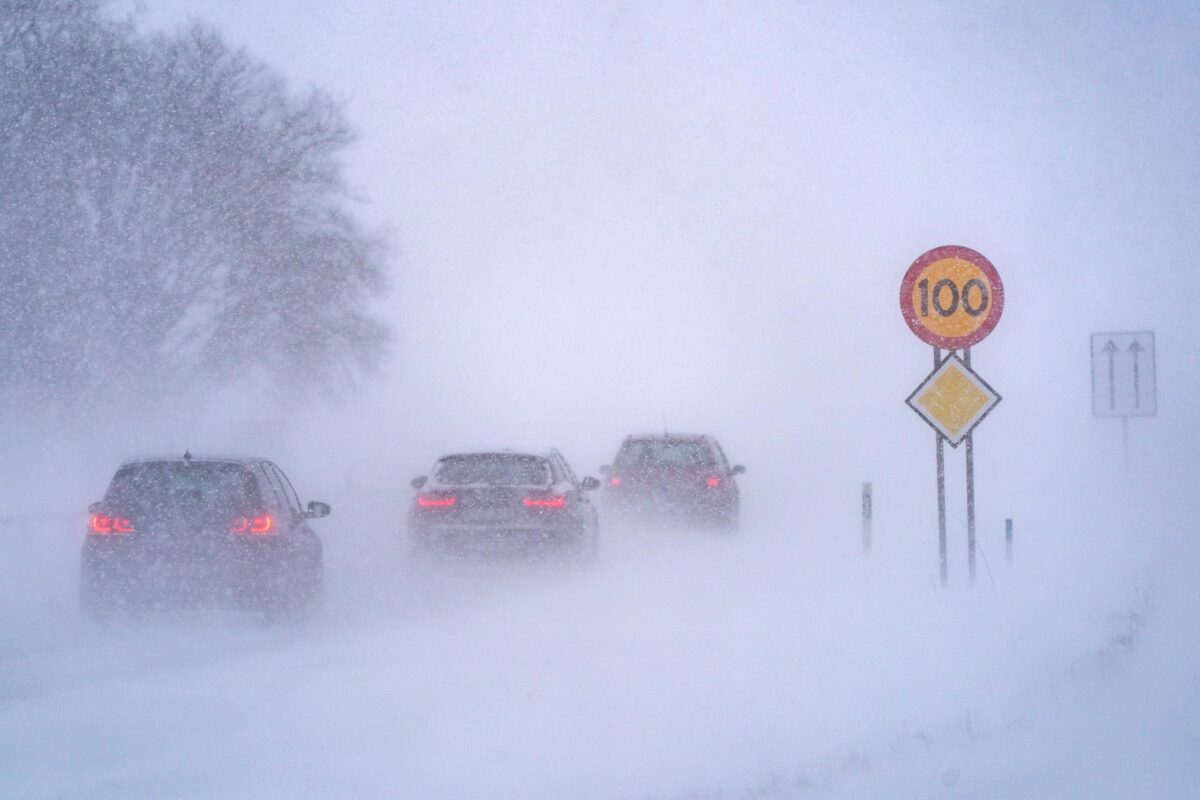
(1136, 348)
(1111, 349)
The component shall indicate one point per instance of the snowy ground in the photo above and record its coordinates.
(774, 664)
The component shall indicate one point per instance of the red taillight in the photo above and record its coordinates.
(436, 500)
(714, 482)
(103, 525)
(545, 501)
(614, 481)
(258, 524)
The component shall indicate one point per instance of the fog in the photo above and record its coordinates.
(609, 219)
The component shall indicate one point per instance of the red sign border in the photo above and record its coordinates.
(957, 342)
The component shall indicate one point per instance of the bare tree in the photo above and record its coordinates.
(170, 216)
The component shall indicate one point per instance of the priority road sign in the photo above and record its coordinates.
(1123, 374)
(951, 297)
(953, 400)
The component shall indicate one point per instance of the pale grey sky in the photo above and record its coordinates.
(607, 214)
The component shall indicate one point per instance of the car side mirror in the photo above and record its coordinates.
(738, 470)
(606, 469)
(317, 509)
(589, 483)
(95, 508)
(417, 483)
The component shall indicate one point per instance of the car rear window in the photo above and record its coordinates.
(168, 484)
(664, 453)
(493, 469)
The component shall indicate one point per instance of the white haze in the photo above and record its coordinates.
(606, 219)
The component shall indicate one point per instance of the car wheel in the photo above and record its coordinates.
(587, 543)
(295, 600)
(95, 606)
(99, 599)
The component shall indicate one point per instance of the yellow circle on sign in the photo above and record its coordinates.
(951, 297)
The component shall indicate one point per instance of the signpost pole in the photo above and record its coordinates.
(970, 491)
(941, 488)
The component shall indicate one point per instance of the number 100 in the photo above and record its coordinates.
(946, 286)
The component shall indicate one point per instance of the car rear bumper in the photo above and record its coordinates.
(665, 507)
(127, 575)
(492, 538)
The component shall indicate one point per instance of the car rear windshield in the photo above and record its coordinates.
(172, 484)
(493, 469)
(682, 453)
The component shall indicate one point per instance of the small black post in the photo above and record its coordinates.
(1008, 540)
(866, 518)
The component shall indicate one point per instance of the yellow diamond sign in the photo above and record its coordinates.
(953, 400)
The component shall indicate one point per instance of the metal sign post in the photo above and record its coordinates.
(952, 298)
(970, 489)
(1124, 378)
(943, 561)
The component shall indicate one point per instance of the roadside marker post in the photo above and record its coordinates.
(866, 518)
(1008, 541)
(951, 298)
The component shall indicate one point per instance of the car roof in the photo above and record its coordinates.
(194, 459)
(540, 452)
(668, 437)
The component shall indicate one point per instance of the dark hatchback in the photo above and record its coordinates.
(504, 502)
(219, 532)
(673, 479)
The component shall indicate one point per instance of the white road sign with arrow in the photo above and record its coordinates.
(1124, 383)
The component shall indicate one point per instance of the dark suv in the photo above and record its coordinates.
(227, 532)
(504, 501)
(673, 478)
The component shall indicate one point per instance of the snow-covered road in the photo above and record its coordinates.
(773, 664)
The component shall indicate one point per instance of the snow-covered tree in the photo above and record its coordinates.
(171, 216)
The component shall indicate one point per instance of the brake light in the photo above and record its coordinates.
(259, 525)
(713, 482)
(614, 481)
(103, 525)
(546, 501)
(436, 500)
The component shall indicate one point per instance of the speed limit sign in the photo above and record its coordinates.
(952, 297)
